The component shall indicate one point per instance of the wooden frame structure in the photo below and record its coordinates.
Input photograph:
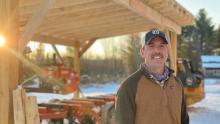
(76, 23)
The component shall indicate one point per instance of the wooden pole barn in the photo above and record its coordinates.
(76, 23)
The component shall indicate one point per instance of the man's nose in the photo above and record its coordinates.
(157, 49)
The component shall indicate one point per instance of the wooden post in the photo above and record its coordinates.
(8, 62)
(77, 66)
(79, 50)
(172, 37)
(77, 59)
(173, 41)
(19, 108)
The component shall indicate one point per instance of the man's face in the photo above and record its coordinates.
(155, 53)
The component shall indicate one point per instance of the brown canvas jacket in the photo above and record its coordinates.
(140, 100)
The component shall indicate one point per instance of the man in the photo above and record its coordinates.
(152, 95)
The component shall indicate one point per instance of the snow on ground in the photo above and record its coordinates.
(98, 89)
(208, 110)
(87, 90)
(205, 112)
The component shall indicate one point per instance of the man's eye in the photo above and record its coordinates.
(162, 46)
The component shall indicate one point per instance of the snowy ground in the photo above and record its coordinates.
(205, 112)
(208, 110)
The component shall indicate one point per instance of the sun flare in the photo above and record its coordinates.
(97, 49)
(2, 40)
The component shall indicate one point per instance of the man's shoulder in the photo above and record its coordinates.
(134, 77)
(178, 80)
(132, 80)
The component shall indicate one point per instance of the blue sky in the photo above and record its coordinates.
(212, 8)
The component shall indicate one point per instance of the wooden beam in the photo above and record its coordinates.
(173, 38)
(54, 40)
(58, 54)
(148, 13)
(84, 17)
(19, 107)
(71, 7)
(112, 31)
(24, 3)
(94, 23)
(26, 108)
(8, 62)
(76, 64)
(108, 29)
(34, 23)
(77, 58)
(152, 2)
(27, 6)
(75, 12)
(85, 46)
(31, 110)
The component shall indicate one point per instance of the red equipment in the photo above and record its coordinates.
(67, 80)
(76, 110)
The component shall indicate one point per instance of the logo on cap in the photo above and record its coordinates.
(155, 32)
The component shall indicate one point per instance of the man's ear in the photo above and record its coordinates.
(142, 52)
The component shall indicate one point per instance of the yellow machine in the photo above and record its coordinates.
(193, 81)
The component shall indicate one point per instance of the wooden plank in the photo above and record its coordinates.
(23, 3)
(26, 6)
(171, 9)
(80, 25)
(34, 23)
(96, 25)
(96, 19)
(152, 2)
(77, 66)
(117, 32)
(58, 54)
(19, 111)
(8, 63)
(85, 16)
(4, 87)
(148, 13)
(54, 40)
(31, 110)
(173, 37)
(154, 16)
(86, 45)
(77, 58)
(159, 6)
(105, 29)
(72, 7)
(114, 32)
(13, 36)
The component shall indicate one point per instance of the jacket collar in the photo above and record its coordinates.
(147, 74)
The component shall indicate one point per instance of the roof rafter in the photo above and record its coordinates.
(34, 23)
(54, 40)
(148, 13)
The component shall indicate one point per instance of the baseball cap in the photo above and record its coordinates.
(152, 34)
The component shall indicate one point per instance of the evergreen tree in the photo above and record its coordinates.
(216, 44)
(205, 30)
(131, 53)
(197, 40)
